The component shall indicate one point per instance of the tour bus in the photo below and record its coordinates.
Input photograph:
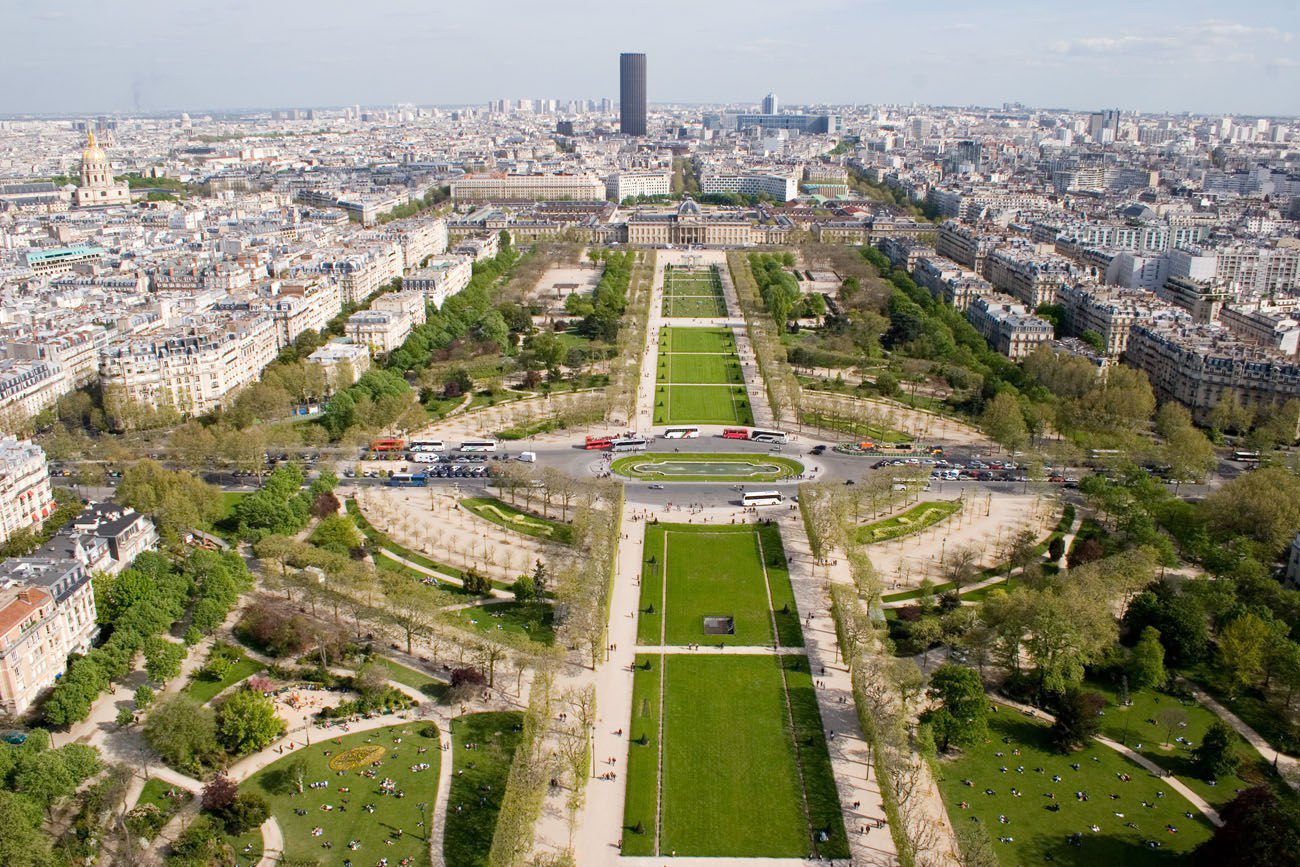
(761, 498)
(681, 433)
(387, 445)
(408, 480)
(425, 457)
(759, 435)
(630, 444)
(1246, 457)
(735, 433)
(428, 446)
(599, 442)
(478, 446)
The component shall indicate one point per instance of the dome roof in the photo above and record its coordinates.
(689, 208)
(92, 152)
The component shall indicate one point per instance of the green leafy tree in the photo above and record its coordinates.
(1258, 828)
(1003, 421)
(337, 534)
(1147, 666)
(162, 659)
(1077, 718)
(1242, 644)
(183, 733)
(247, 722)
(961, 717)
(1216, 756)
(22, 843)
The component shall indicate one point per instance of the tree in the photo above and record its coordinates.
(183, 733)
(1189, 454)
(961, 719)
(22, 844)
(336, 533)
(247, 722)
(1171, 719)
(143, 697)
(162, 658)
(541, 578)
(960, 565)
(411, 607)
(1263, 505)
(524, 588)
(1147, 667)
(1241, 646)
(974, 846)
(1077, 719)
(1258, 828)
(219, 793)
(1003, 421)
(1215, 755)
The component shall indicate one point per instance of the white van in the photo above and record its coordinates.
(424, 457)
(527, 457)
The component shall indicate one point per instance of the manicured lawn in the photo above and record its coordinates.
(715, 571)
(1039, 832)
(731, 785)
(692, 307)
(724, 467)
(532, 620)
(702, 404)
(1138, 725)
(695, 369)
(340, 825)
(475, 798)
(700, 288)
(873, 432)
(641, 805)
(504, 515)
(404, 674)
(714, 340)
(225, 525)
(914, 520)
(203, 690)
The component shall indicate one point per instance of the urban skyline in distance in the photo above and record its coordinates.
(1155, 58)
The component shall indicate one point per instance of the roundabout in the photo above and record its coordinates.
(707, 467)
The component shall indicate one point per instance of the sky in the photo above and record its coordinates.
(93, 56)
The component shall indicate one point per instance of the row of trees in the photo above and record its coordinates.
(783, 390)
(195, 739)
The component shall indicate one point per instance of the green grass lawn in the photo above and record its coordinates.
(678, 467)
(532, 620)
(875, 433)
(1039, 832)
(505, 515)
(475, 797)
(731, 783)
(694, 307)
(1138, 725)
(914, 520)
(203, 690)
(719, 341)
(702, 404)
(689, 288)
(697, 369)
(340, 826)
(715, 571)
(404, 674)
(225, 526)
(1275, 724)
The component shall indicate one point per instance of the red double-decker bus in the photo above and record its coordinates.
(387, 445)
(599, 442)
(735, 433)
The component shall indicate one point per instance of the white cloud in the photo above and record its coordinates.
(1199, 42)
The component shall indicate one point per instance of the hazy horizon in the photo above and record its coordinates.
(69, 57)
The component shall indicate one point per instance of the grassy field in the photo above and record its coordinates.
(1139, 726)
(694, 307)
(475, 797)
(702, 404)
(731, 768)
(876, 433)
(676, 288)
(505, 515)
(203, 690)
(276, 784)
(718, 341)
(715, 571)
(699, 369)
(914, 520)
(675, 467)
(404, 674)
(1038, 833)
(531, 620)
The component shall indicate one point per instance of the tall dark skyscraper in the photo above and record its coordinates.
(631, 118)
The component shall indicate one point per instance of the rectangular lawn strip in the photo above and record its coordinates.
(712, 570)
(730, 779)
(404, 674)
(275, 783)
(1039, 832)
(532, 620)
(784, 608)
(1140, 724)
(203, 690)
(689, 307)
(475, 798)
(713, 340)
(641, 804)
(527, 523)
(702, 404)
(914, 520)
(824, 811)
(699, 369)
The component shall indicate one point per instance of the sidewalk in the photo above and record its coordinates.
(1287, 766)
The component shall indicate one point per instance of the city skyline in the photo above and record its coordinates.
(1159, 58)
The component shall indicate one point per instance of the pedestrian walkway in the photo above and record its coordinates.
(1287, 766)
